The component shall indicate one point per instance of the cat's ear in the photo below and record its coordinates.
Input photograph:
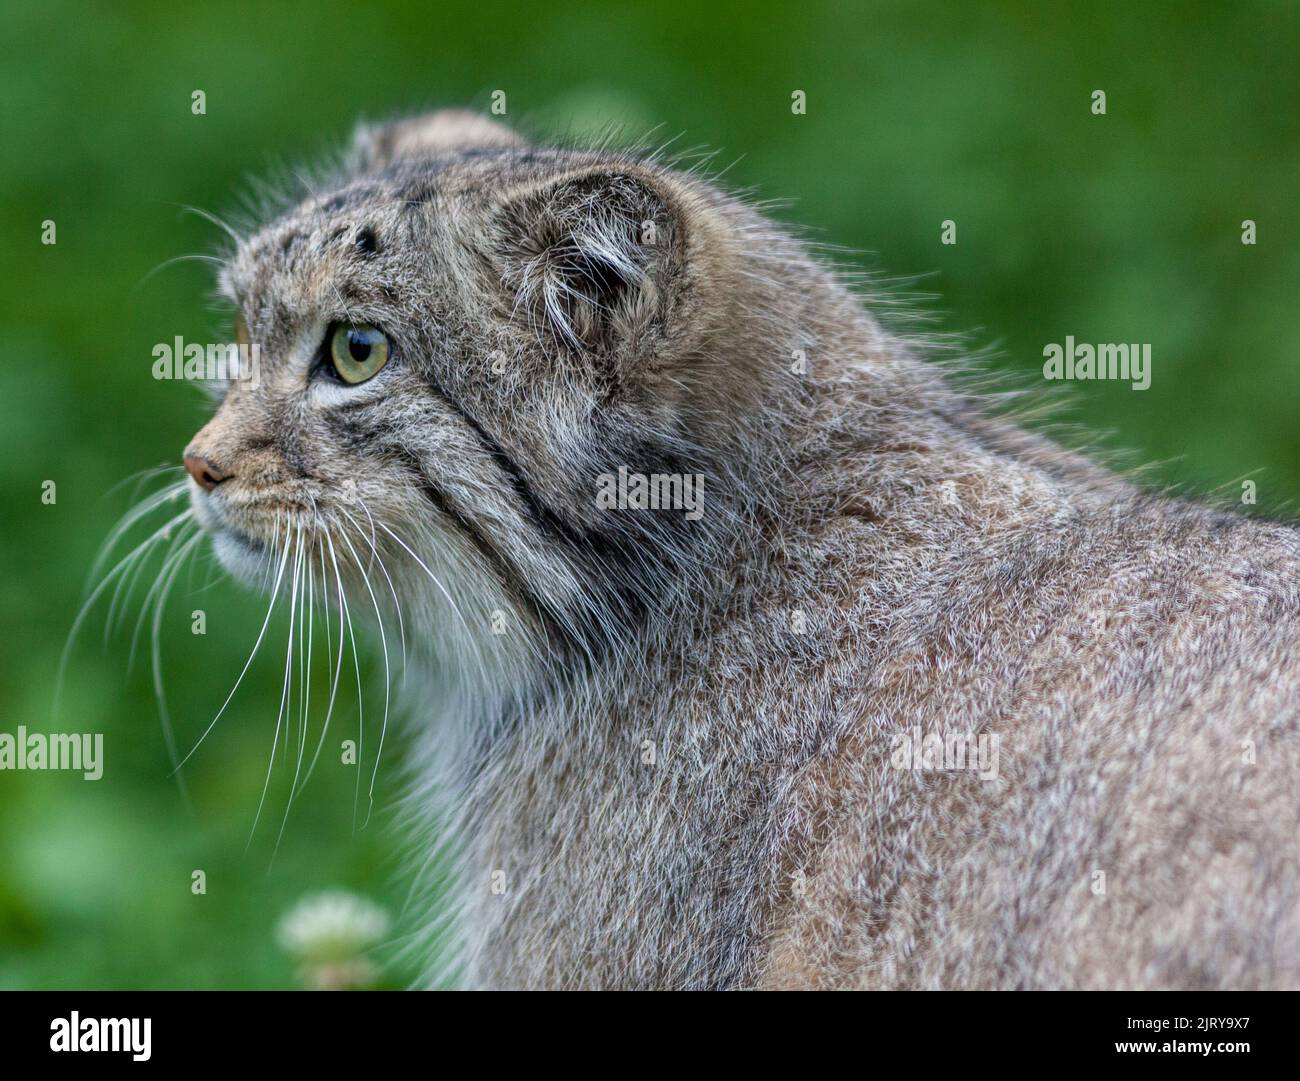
(430, 135)
(593, 261)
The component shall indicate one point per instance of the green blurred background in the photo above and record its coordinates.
(1117, 228)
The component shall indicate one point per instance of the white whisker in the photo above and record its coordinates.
(443, 589)
(337, 666)
(169, 736)
(285, 688)
(95, 594)
(383, 638)
(305, 616)
(176, 551)
(275, 594)
(378, 558)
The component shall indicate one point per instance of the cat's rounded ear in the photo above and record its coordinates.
(595, 261)
(430, 135)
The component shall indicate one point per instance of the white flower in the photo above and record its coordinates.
(332, 926)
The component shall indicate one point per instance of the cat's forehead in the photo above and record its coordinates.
(341, 226)
(378, 213)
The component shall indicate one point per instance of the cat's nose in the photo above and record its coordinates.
(206, 475)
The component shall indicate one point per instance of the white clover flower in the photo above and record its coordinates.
(334, 926)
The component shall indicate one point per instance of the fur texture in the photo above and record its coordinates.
(664, 752)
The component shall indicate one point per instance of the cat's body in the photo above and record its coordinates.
(667, 751)
(1129, 657)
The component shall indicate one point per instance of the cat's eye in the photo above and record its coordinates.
(358, 351)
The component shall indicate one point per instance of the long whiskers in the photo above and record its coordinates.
(379, 559)
(305, 547)
(181, 537)
(383, 638)
(257, 645)
(182, 544)
(337, 665)
(306, 623)
(140, 551)
(284, 693)
(169, 736)
(441, 588)
(304, 560)
(356, 665)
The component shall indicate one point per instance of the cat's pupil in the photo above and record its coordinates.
(358, 347)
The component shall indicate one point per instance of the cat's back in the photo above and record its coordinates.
(1123, 677)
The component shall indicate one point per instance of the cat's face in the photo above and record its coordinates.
(454, 343)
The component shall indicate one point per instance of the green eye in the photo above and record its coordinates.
(358, 351)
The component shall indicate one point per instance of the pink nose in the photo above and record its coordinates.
(206, 475)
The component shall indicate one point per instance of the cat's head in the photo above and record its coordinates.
(461, 341)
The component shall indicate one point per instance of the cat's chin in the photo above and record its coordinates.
(244, 560)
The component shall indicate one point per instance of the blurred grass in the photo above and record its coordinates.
(1122, 228)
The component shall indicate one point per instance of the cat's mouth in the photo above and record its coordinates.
(241, 553)
(244, 557)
